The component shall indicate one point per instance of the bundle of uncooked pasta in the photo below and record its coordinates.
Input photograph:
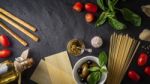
(121, 52)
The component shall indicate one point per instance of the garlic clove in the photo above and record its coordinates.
(145, 35)
(96, 41)
(146, 9)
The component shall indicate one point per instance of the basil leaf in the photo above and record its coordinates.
(101, 20)
(111, 14)
(101, 4)
(110, 5)
(94, 77)
(103, 69)
(131, 17)
(114, 2)
(102, 58)
(94, 69)
(116, 24)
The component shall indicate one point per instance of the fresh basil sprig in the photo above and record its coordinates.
(96, 72)
(109, 14)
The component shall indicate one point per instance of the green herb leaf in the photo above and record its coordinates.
(101, 20)
(102, 58)
(115, 2)
(94, 77)
(92, 69)
(111, 14)
(103, 69)
(111, 5)
(101, 4)
(131, 17)
(116, 24)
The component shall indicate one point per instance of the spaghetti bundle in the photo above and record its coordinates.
(121, 52)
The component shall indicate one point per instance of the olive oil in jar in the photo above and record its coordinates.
(9, 71)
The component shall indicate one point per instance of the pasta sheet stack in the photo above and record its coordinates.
(121, 52)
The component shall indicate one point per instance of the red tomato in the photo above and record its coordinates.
(142, 60)
(89, 7)
(4, 41)
(147, 70)
(89, 17)
(4, 53)
(133, 75)
(78, 6)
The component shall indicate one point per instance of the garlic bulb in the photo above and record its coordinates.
(146, 9)
(96, 42)
(145, 35)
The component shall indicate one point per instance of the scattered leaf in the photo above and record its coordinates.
(131, 17)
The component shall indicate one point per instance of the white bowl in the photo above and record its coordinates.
(83, 60)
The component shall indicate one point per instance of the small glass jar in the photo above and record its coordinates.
(75, 47)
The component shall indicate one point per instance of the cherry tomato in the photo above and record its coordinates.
(4, 41)
(89, 17)
(142, 60)
(147, 70)
(78, 6)
(133, 75)
(4, 53)
(89, 7)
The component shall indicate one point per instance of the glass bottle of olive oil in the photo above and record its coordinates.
(9, 71)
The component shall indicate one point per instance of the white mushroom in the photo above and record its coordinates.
(145, 35)
(96, 42)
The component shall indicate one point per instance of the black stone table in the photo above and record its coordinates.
(57, 23)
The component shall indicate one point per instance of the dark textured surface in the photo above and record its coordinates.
(57, 24)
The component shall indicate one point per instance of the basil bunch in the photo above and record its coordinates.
(109, 14)
(96, 72)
